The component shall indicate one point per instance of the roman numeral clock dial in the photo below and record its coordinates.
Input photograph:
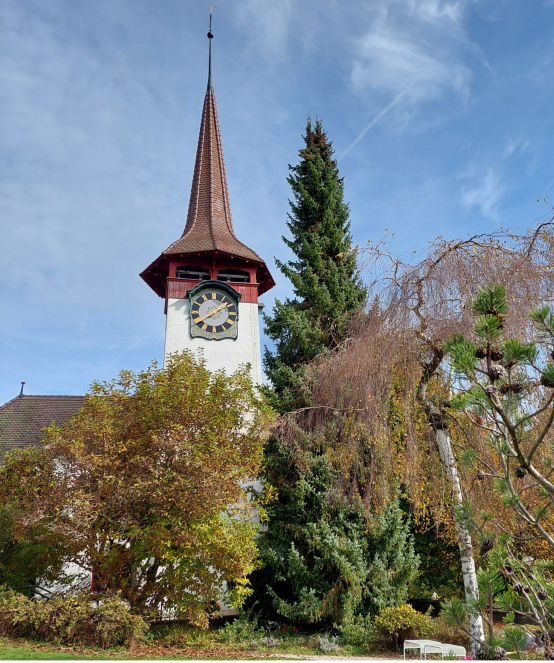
(213, 313)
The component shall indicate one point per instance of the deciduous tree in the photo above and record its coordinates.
(399, 344)
(146, 486)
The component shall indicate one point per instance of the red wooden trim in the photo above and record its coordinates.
(178, 288)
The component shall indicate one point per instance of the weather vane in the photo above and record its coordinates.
(211, 10)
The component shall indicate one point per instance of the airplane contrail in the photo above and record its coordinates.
(375, 120)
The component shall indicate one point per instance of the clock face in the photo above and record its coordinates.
(213, 314)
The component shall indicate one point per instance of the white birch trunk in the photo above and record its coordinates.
(464, 539)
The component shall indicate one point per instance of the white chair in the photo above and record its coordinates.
(418, 644)
(442, 649)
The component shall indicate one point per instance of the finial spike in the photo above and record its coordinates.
(210, 37)
(21, 392)
(210, 87)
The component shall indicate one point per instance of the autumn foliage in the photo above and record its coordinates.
(146, 486)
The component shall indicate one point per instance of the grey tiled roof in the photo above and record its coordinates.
(23, 418)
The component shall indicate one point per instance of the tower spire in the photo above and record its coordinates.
(209, 225)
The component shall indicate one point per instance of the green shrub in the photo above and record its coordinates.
(240, 629)
(514, 639)
(370, 634)
(182, 634)
(358, 631)
(403, 623)
(392, 625)
(74, 620)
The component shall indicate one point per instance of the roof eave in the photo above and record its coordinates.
(151, 276)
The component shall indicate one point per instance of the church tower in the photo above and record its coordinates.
(210, 280)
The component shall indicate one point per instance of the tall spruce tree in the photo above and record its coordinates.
(324, 275)
(323, 556)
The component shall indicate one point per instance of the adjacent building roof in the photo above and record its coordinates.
(23, 418)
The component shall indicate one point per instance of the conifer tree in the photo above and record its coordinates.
(324, 275)
(324, 557)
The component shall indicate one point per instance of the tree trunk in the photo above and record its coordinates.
(464, 538)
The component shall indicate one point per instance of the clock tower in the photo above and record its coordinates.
(210, 281)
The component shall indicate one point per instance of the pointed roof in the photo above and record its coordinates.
(209, 225)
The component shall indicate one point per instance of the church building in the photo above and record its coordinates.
(210, 281)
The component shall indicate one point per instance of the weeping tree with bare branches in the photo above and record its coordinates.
(398, 344)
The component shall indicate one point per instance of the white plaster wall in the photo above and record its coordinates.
(227, 353)
(76, 580)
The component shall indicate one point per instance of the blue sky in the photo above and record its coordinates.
(440, 113)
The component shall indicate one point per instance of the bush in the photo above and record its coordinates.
(240, 629)
(181, 634)
(403, 623)
(368, 633)
(74, 620)
(358, 631)
(327, 644)
(393, 625)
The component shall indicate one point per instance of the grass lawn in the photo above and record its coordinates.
(10, 652)
(13, 650)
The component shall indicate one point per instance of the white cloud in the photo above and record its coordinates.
(391, 62)
(436, 10)
(532, 166)
(515, 147)
(413, 48)
(485, 194)
(376, 119)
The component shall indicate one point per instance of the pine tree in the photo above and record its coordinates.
(324, 275)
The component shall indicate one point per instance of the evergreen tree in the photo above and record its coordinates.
(323, 556)
(324, 276)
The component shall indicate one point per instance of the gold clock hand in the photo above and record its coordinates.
(212, 312)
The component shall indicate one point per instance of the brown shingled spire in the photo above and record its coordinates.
(209, 224)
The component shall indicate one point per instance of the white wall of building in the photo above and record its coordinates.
(226, 353)
(76, 580)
